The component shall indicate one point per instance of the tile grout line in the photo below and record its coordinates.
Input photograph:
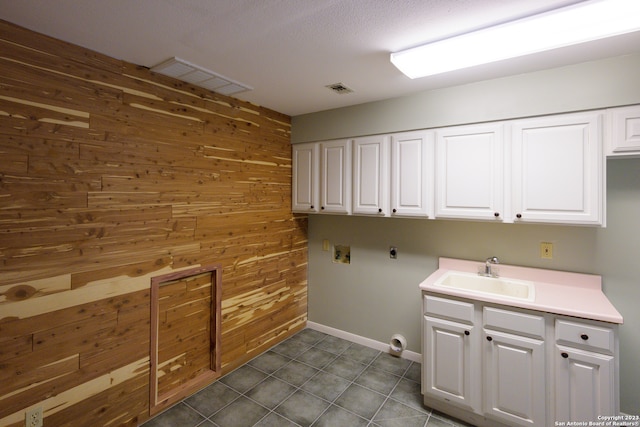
(352, 382)
(296, 388)
(321, 370)
(299, 388)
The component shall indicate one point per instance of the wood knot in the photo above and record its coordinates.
(20, 292)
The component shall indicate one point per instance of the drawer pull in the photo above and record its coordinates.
(467, 333)
(584, 337)
(496, 214)
(489, 339)
(565, 355)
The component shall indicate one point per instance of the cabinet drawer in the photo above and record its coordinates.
(592, 337)
(521, 323)
(448, 308)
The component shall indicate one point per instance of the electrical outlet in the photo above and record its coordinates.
(546, 250)
(393, 252)
(33, 417)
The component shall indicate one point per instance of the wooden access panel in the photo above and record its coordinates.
(185, 334)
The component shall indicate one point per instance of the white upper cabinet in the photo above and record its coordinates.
(623, 138)
(305, 194)
(470, 172)
(335, 177)
(371, 175)
(412, 174)
(558, 169)
(541, 170)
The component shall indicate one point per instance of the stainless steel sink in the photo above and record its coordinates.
(501, 286)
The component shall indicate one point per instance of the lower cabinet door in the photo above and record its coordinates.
(514, 383)
(584, 385)
(452, 367)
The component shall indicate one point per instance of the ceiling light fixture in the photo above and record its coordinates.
(582, 22)
(191, 73)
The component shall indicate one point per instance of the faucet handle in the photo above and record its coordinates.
(492, 260)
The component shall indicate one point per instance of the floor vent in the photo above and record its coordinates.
(339, 88)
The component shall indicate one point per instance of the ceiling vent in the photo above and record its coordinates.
(191, 73)
(339, 88)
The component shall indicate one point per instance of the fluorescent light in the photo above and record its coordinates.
(199, 76)
(583, 22)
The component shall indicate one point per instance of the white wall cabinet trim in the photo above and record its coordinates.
(371, 175)
(558, 169)
(549, 169)
(412, 174)
(470, 172)
(305, 182)
(623, 136)
(335, 177)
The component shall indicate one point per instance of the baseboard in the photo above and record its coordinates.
(367, 342)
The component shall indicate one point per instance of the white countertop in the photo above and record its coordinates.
(558, 292)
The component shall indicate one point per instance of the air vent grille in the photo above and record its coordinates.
(191, 73)
(340, 88)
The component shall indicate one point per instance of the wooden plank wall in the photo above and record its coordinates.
(109, 176)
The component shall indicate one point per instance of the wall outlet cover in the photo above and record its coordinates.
(342, 254)
(546, 250)
(33, 417)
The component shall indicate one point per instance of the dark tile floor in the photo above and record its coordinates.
(311, 379)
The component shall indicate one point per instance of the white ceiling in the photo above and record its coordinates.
(289, 50)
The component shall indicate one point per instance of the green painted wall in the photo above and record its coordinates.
(375, 296)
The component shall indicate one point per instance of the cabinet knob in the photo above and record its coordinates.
(322, 207)
(395, 210)
(584, 337)
(379, 210)
(467, 332)
(489, 339)
(519, 215)
(496, 214)
(564, 355)
(311, 206)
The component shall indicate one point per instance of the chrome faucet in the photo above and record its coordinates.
(487, 266)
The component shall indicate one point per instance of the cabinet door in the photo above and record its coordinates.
(624, 134)
(305, 178)
(335, 177)
(371, 175)
(558, 169)
(451, 358)
(470, 172)
(514, 387)
(584, 385)
(412, 174)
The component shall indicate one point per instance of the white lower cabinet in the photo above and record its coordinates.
(493, 365)
(451, 375)
(514, 358)
(586, 369)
